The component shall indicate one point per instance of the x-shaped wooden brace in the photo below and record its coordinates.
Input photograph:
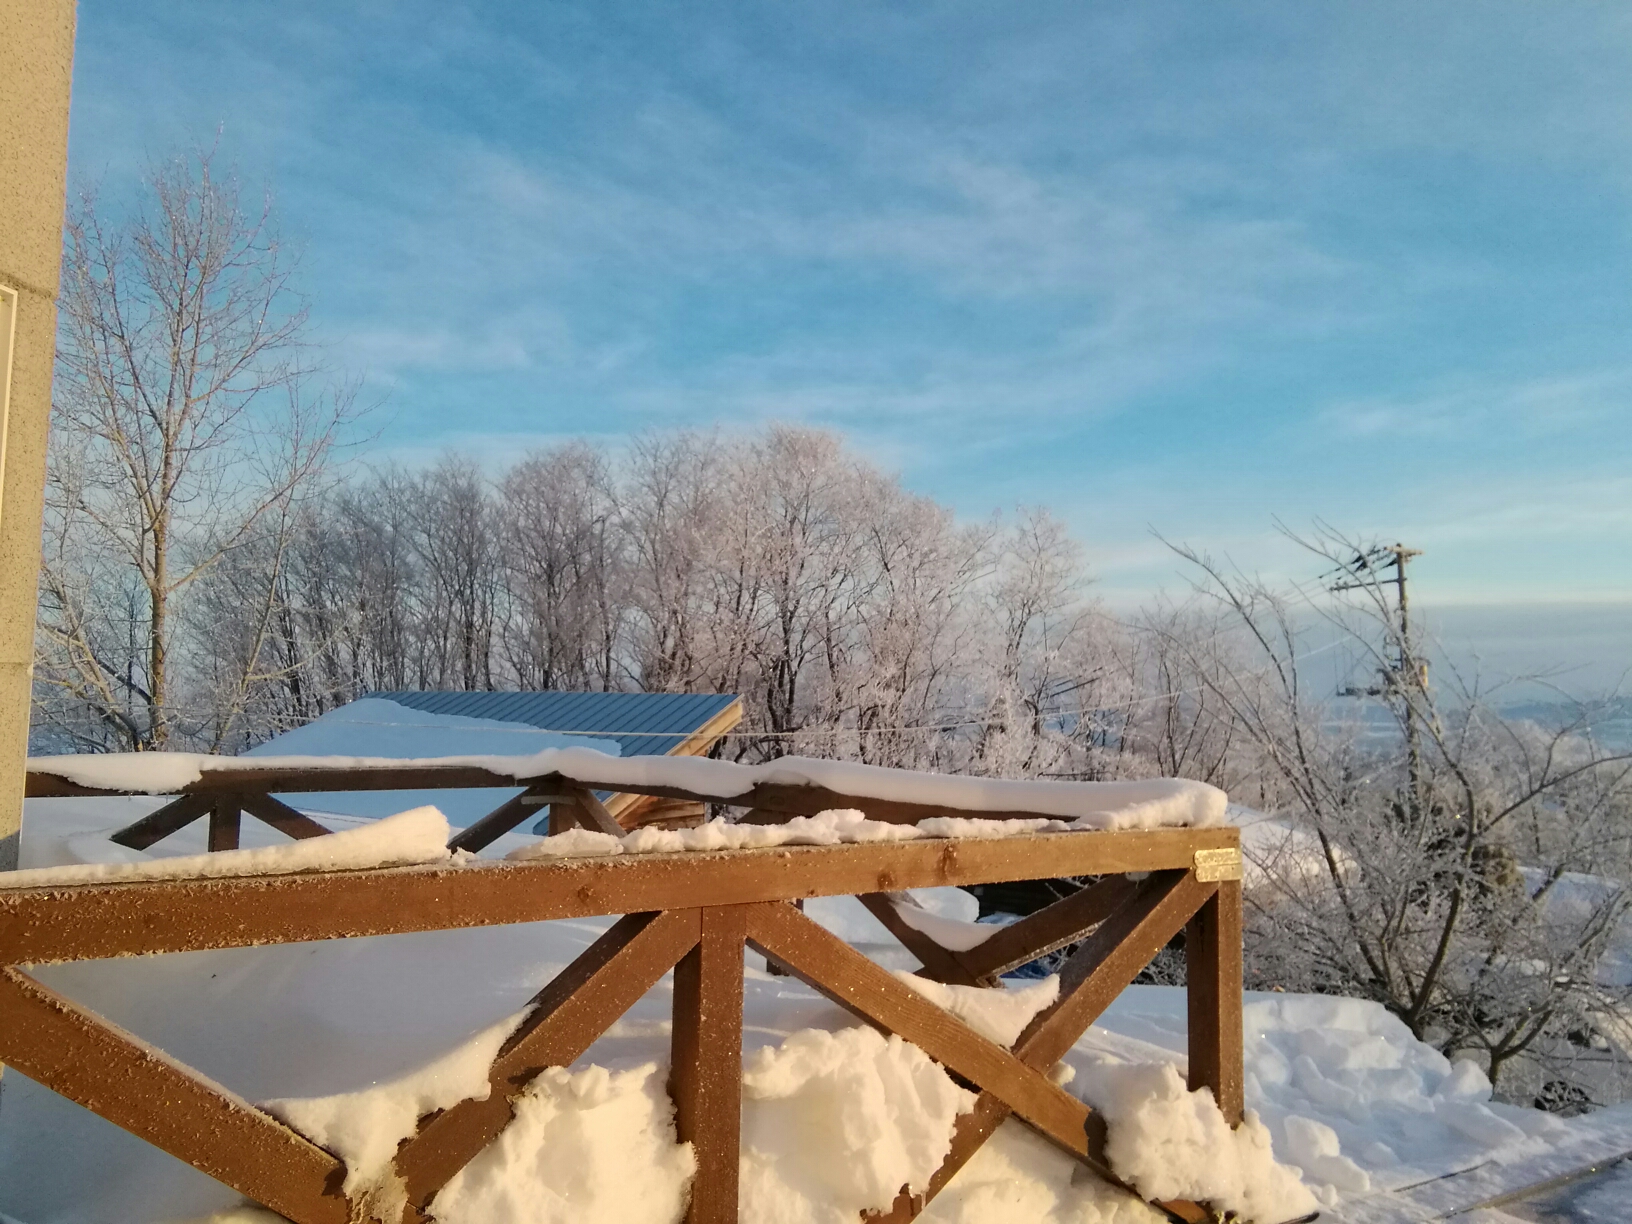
(83, 1057)
(569, 806)
(225, 812)
(1129, 934)
(92, 1062)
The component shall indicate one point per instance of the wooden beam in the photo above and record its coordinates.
(1050, 928)
(832, 967)
(512, 812)
(705, 1077)
(939, 964)
(582, 1001)
(86, 921)
(1212, 946)
(701, 741)
(175, 815)
(121, 1078)
(286, 820)
(225, 818)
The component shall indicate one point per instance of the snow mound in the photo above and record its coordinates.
(834, 1124)
(953, 934)
(1017, 1177)
(854, 923)
(416, 836)
(1343, 1079)
(999, 1015)
(589, 1147)
(1170, 1143)
(364, 1128)
(835, 827)
(574, 843)
(967, 826)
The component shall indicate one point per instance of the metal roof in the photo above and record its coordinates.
(643, 724)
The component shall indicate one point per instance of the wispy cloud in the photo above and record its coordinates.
(1162, 266)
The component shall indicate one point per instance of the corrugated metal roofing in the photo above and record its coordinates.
(643, 724)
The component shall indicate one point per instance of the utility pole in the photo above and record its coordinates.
(1404, 676)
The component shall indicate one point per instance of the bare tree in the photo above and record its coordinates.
(1429, 880)
(565, 569)
(186, 422)
(458, 546)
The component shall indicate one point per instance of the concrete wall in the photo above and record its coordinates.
(36, 66)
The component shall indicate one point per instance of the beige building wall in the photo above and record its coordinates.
(36, 66)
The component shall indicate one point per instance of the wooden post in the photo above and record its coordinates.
(225, 817)
(705, 1077)
(1212, 946)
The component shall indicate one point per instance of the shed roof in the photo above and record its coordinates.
(643, 724)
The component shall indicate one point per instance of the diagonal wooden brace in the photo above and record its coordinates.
(177, 814)
(1109, 959)
(274, 811)
(81, 1056)
(498, 822)
(578, 1005)
(588, 812)
(1050, 928)
(1096, 973)
(939, 964)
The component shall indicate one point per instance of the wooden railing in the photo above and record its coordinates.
(693, 913)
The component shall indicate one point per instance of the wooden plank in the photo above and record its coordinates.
(1050, 928)
(829, 965)
(705, 1077)
(273, 811)
(225, 818)
(1212, 946)
(578, 1005)
(86, 921)
(939, 964)
(118, 1076)
(172, 816)
(1109, 959)
(496, 823)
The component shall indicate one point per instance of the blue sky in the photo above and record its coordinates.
(1187, 267)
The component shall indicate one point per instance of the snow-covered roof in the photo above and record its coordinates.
(640, 724)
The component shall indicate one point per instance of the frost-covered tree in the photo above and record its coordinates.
(187, 425)
(1466, 872)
